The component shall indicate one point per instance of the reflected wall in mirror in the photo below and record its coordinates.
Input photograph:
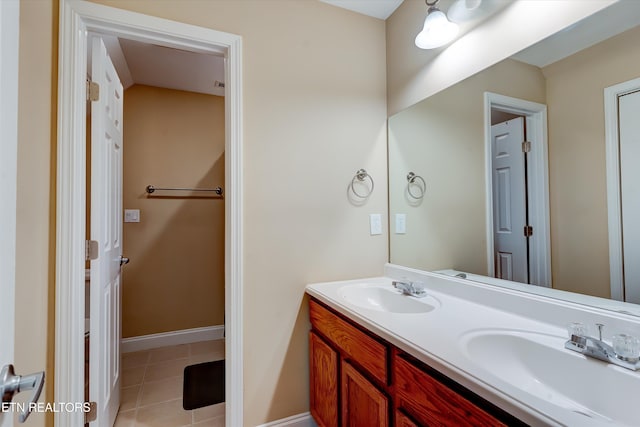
(442, 139)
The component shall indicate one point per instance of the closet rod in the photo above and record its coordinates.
(151, 189)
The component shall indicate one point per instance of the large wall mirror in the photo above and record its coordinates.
(466, 195)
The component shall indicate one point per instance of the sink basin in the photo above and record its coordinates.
(539, 364)
(386, 298)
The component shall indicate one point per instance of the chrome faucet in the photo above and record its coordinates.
(413, 289)
(598, 349)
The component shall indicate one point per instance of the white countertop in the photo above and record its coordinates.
(437, 337)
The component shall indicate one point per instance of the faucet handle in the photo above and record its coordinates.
(626, 347)
(417, 287)
(576, 329)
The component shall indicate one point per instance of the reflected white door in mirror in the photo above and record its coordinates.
(629, 105)
(622, 109)
(509, 200)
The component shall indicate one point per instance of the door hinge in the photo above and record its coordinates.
(528, 231)
(526, 146)
(92, 414)
(90, 250)
(93, 91)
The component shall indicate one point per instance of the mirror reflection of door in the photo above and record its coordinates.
(629, 125)
(508, 162)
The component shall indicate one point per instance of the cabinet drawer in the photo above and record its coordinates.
(433, 403)
(369, 353)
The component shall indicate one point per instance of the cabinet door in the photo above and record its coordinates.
(363, 405)
(323, 382)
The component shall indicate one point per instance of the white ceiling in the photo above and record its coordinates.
(380, 9)
(159, 66)
(613, 20)
(171, 68)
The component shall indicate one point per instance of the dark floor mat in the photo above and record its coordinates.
(203, 385)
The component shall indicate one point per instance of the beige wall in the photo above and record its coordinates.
(175, 279)
(414, 74)
(314, 112)
(577, 170)
(35, 228)
(442, 140)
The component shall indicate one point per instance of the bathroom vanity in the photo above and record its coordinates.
(467, 354)
(368, 378)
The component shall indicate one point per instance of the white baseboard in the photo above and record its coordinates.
(300, 420)
(185, 336)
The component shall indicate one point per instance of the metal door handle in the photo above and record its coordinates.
(124, 260)
(12, 384)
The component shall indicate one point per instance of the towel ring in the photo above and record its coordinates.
(411, 181)
(361, 175)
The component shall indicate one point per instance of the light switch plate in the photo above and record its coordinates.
(375, 224)
(132, 215)
(401, 223)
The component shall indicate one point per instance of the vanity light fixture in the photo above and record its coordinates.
(437, 30)
(464, 11)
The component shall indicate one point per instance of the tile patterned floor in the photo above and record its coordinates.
(152, 387)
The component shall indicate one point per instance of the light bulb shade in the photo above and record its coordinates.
(437, 30)
(465, 11)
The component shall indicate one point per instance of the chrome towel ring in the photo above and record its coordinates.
(360, 176)
(414, 180)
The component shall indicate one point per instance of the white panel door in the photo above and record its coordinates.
(509, 201)
(106, 229)
(629, 122)
(9, 18)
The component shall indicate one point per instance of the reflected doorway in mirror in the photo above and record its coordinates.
(535, 200)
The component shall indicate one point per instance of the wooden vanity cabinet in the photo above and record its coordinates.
(351, 341)
(348, 372)
(359, 380)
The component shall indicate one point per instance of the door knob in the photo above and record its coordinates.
(12, 384)
(124, 260)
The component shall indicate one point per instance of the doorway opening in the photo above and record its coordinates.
(168, 130)
(527, 188)
(77, 20)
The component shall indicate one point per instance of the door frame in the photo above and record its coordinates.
(9, 51)
(614, 195)
(537, 177)
(77, 17)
